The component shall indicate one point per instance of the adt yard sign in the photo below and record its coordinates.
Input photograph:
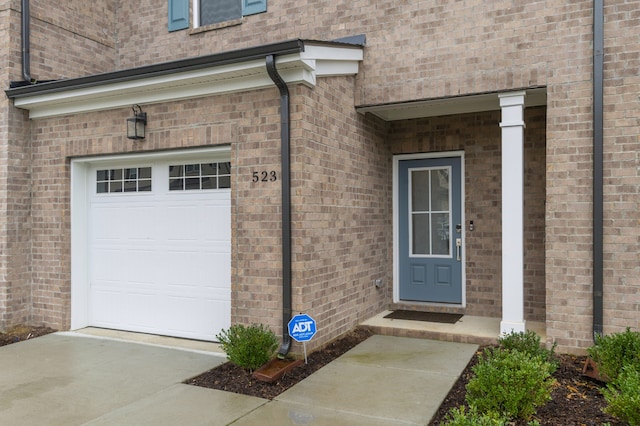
(302, 328)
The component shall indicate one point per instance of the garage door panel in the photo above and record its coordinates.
(110, 306)
(160, 262)
(198, 269)
(192, 325)
(118, 222)
(106, 265)
(199, 221)
(221, 228)
(142, 266)
(216, 267)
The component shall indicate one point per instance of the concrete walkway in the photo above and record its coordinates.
(68, 379)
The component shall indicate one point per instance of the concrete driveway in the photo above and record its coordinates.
(63, 379)
(69, 379)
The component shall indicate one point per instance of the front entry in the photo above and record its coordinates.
(429, 224)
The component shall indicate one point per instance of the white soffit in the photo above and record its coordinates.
(298, 68)
(448, 106)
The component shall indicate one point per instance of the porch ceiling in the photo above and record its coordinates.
(448, 106)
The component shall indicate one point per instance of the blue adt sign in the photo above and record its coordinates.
(302, 328)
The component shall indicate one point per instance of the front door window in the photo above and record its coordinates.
(430, 212)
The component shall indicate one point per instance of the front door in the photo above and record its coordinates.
(430, 230)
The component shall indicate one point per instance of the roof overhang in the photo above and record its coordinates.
(298, 62)
(535, 96)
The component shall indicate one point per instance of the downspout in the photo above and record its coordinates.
(26, 52)
(286, 203)
(598, 67)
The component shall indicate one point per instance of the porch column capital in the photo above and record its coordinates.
(512, 106)
(512, 125)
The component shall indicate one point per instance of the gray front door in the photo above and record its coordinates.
(430, 230)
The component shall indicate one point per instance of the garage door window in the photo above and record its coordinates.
(132, 179)
(185, 177)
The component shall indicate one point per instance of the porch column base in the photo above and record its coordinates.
(508, 327)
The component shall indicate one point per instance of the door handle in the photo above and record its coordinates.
(458, 248)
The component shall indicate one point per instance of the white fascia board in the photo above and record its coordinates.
(181, 78)
(145, 95)
(336, 68)
(251, 75)
(332, 53)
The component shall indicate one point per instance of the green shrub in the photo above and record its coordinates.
(248, 346)
(623, 396)
(462, 417)
(511, 384)
(529, 343)
(614, 351)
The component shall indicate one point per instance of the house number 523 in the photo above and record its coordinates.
(264, 176)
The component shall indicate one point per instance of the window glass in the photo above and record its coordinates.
(209, 182)
(224, 182)
(176, 184)
(192, 170)
(132, 179)
(421, 233)
(188, 177)
(214, 11)
(430, 211)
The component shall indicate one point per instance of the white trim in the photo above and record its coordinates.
(396, 226)
(512, 125)
(299, 68)
(79, 200)
(196, 12)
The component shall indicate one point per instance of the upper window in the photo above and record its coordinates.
(208, 12)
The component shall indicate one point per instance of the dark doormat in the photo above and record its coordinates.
(425, 316)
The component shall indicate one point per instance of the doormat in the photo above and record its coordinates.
(425, 316)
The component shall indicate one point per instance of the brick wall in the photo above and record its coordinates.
(15, 290)
(15, 259)
(569, 185)
(415, 49)
(256, 260)
(340, 212)
(478, 135)
(622, 167)
(342, 218)
(69, 39)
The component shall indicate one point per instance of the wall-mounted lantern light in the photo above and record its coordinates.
(137, 123)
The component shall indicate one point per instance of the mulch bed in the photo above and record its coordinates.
(576, 399)
(230, 378)
(20, 333)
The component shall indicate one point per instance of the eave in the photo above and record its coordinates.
(298, 61)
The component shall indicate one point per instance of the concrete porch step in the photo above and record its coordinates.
(469, 329)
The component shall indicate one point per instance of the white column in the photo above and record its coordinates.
(512, 124)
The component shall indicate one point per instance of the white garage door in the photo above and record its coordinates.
(159, 247)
